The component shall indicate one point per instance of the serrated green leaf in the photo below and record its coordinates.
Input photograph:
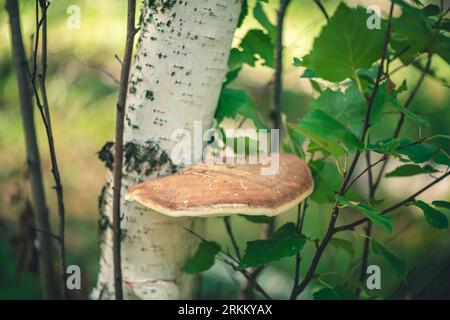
(285, 242)
(434, 217)
(344, 245)
(346, 107)
(203, 258)
(419, 35)
(255, 46)
(328, 132)
(371, 213)
(396, 263)
(235, 101)
(408, 170)
(342, 47)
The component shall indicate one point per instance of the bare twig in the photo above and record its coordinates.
(118, 154)
(230, 233)
(46, 269)
(55, 170)
(322, 9)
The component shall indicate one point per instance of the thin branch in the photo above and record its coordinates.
(301, 213)
(353, 225)
(118, 152)
(235, 266)
(322, 9)
(50, 283)
(230, 233)
(278, 81)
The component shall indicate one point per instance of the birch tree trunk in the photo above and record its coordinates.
(176, 79)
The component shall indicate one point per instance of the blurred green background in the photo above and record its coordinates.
(83, 93)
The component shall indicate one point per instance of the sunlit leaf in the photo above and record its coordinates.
(342, 46)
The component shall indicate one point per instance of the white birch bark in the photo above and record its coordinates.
(176, 78)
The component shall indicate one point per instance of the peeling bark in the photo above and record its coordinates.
(176, 79)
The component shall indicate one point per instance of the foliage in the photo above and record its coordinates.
(348, 68)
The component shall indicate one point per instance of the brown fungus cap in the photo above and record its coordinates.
(203, 190)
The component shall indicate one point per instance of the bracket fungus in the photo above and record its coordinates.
(205, 190)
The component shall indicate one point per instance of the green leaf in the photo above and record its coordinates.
(328, 132)
(297, 62)
(316, 86)
(326, 181)
(255, 46)
(261, 17)
(391, 257)
(337, 293)
(408, 170)
(285, 242)
(234, 65)
(308, 74)
(343, 244)
(326, 294)
(434, 217)
(431, 10)
(346, 107)
(417, 153)
(418, 34)
(235, 101)
(203, 258)
(386, 146)
(256, 219)
(441, 158)
(371, 213)
(382, 100)
(410, 115)
(243, 14)
(441, 204)
(343, 47)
